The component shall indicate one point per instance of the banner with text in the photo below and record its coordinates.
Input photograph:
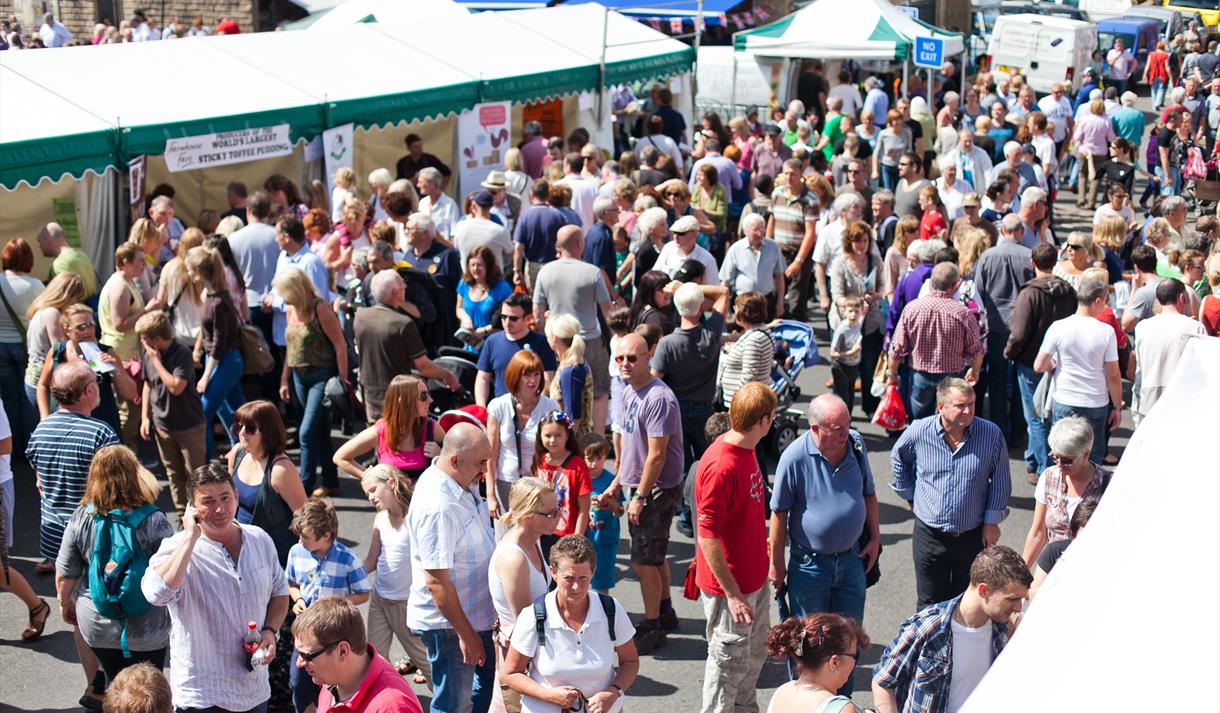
(483, 137)
(338, 145)
(195, 152)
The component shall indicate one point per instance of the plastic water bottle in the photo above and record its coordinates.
(250, 643)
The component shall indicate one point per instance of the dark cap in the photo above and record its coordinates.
(1029, 149)
(774, 129)
(483, 199)
(690, 271)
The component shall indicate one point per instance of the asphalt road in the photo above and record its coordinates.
(44, 676)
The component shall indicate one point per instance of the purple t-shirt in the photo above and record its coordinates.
(650, 412)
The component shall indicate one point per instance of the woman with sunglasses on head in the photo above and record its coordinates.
(80, 332)
(517, 574)
(825, 649)
(512, 428)
(404, 437)
(268, 485)
(1071, 478)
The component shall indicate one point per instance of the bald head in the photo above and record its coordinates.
(570, 241)
(464, 454)
(827, 408)
(944, 277)
(51, 239)
(70, 386)
(631, 356)
(462, 437)
(829, 426)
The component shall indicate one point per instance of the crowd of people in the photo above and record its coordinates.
(605, 321)
(47, 32)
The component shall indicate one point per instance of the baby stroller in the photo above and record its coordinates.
(795, 350)
(463, 364)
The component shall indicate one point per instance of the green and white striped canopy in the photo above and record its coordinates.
(843, 29)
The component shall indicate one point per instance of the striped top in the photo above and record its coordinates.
(751, 358)
(209, 612)
(60, 451)
(953, 490)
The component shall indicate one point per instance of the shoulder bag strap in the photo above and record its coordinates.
(516, 433)
(611, 612)
(12, 313)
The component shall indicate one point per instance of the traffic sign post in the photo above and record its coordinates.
(929, 52)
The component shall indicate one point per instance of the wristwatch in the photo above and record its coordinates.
(617, 689)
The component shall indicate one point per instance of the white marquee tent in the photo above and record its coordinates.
(1130, 610)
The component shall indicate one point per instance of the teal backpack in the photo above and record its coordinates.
(117, 567)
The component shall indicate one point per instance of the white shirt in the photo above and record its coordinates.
(470, 233)
(1105, 211)
(508, 463)
(1057, 113)
(394, 561)
(971, 659)
(852, 101)
(830, 243)
(1159, 343)
(338, 197)
(582, 659)
(540, 581)
(663, 143)
(670, 260)
(1081, 347)
(952, 197)
(584, 192)
(444, 214)
(209, 612)
(54, 34)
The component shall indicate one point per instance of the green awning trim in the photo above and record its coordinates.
(661, 65)
(883, 32)
(306, 121)
(409, 106)
(529, 87)
(31, 161)
(773, 30)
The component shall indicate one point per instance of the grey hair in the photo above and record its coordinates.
(647, 222)
(1159, 229)
(948, 385)
(431, 176)
(925, 250)
(424, 222)
(381, 177)
(533, 128)
(952, 97)
(1011, 223)
(1032, 195)
(944, 276)
(160, 201)
(1071, 436)
(750, 219)
(383, 283)
(820, 405)
(360, 256)
(644, 202)
(688, 300)
(1089, 291)
(601, 204)
(1171, 204)
(845, 201)
(382, 249)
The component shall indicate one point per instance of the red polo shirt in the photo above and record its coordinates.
(729, 494)
(382, 690)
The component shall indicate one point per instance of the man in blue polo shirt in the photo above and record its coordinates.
(824, 499)
(534, 238)
(500, 347)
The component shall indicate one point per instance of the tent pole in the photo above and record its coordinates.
(906, 87)
(694, 75)
(601, 70)
(733, 88)
(928, 90)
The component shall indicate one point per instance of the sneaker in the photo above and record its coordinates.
(648, 639)
(669, 620)
(1032, 478)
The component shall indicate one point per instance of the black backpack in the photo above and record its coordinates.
(540, 616)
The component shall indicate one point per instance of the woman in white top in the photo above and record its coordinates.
(17, 292)
(64, 290)
(389, 556)
(512, 426)
(183, 298)
(952, 189)
(516, 181)
(517, 574)
(574, 661)
(825, 649)
(344, 181)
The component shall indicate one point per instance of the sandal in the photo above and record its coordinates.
(419, 678)
(34, 630)
(404, 666)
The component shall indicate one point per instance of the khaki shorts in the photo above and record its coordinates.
(598, 359)
(650, 539)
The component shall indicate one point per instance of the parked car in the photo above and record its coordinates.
(1208, 10)
(1139, 35)
(1170, 21)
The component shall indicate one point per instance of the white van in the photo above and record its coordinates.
(1044, 49)
(1101, 9)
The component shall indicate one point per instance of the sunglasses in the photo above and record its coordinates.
(552, 513)
(629, 358)
(1063, 461)
(425, 396)
(673, 194)
(248, 428)
(308, 658)
(511, 317)
(82, 326)
(1075, 246)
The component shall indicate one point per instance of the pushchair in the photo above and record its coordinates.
(795, 350)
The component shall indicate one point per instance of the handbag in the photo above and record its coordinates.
(255, 354)
(1042, 398)
(881, 376)
(871, 576)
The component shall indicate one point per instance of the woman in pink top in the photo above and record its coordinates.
(405, 437)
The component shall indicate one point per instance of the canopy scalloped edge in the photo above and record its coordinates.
(23, 183)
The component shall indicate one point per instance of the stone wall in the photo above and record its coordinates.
(81, 15)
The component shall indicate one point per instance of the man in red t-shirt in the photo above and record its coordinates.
(731, 559)
(331, 646)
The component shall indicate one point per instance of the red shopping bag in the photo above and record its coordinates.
(890, 413)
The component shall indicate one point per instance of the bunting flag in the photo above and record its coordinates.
(656, 24)
(737, 21)
(761, 14)
(724, 21)
(748, 17)
(675, 25)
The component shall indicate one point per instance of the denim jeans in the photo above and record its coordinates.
(1037, 453)
(1096, 417)
(310, 388)
(889, 176)
(923, 392)
(21, 418)
(826, 583)
(996, 381)
(1171, 185)
(260, 708)
(222, 398)
(1158, 93)
(694, 421)
(459, 687)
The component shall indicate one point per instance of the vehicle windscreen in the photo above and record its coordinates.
(1200, 4)
(1105, 40)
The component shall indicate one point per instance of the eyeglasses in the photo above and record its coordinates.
(82, 326)
(308, 658)
(629, 358)
(1063, 461)
(512, 317)
(248, 428)
(1075, 246)
(552, 513)
(425, 395)
(674, 194)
